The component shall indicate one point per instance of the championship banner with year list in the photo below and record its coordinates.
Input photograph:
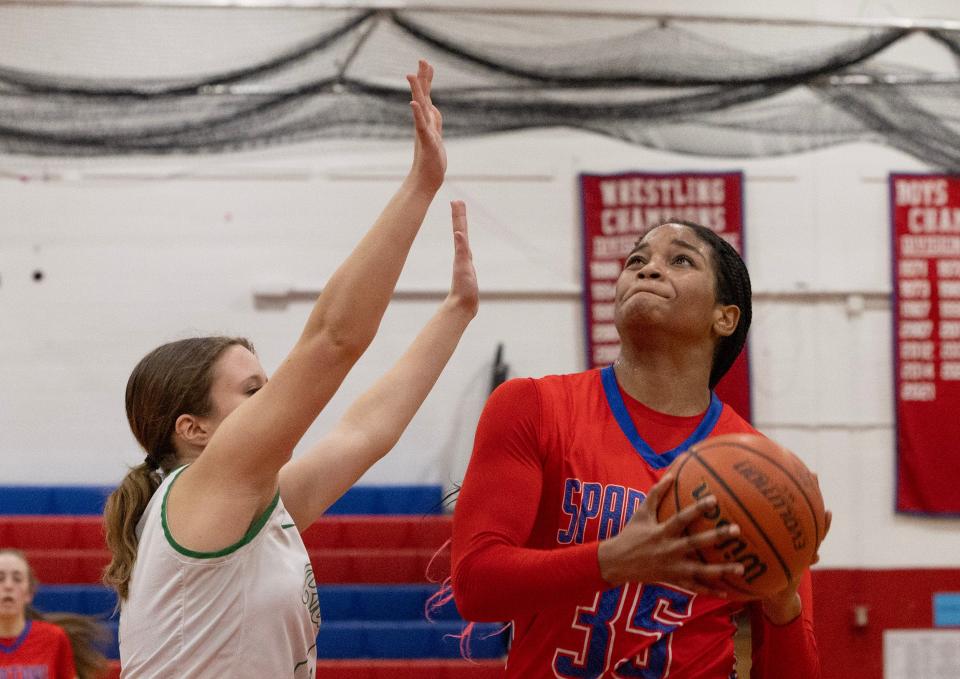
(925, 211)
(617, 209)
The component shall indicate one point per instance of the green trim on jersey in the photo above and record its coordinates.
(251, 533)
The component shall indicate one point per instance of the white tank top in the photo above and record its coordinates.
(249, 610)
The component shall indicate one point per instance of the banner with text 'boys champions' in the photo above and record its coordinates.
(925, 211)
(617, 209)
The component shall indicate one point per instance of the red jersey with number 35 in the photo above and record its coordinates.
(560, 463)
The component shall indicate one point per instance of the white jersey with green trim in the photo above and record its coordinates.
(249, 610)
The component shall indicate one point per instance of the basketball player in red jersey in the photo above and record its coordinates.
(555, 527)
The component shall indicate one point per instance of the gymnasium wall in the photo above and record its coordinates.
(102, 259)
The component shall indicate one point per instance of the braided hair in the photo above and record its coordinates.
(733, 287)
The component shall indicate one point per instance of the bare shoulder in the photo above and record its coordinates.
(202, 515)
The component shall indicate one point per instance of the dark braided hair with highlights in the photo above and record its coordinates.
(733, 287)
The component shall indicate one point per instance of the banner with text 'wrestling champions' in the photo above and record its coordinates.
(617, 209)
(925, 211)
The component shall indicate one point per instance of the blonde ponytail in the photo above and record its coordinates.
(123, 510)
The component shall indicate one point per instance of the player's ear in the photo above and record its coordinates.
(192, 429)
(725, 319)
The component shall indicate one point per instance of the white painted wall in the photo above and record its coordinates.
(137, 251)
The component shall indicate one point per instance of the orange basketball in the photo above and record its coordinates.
(768, 492)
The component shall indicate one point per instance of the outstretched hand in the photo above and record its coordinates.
(429, 156)
(464, 293)
(649, 551)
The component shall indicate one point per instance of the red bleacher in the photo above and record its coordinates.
(391, 669)
(52, 532)
(357, 549)
(343, 549)
(359, 566)
(63, 566)
(387, 532)
(330, 532)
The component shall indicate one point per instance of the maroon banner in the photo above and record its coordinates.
(925, 211)
(617, 209)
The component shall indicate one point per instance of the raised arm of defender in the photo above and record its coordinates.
(374, 422)
(236, 477)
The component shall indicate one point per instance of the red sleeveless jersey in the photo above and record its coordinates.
(560, 463)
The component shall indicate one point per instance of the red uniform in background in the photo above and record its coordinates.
(558, 464)
(42, 651)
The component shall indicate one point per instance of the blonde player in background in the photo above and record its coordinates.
(35, 644)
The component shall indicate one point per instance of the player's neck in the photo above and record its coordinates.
(674, 383)
(11, 626)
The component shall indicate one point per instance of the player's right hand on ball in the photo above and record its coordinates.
(648, 551)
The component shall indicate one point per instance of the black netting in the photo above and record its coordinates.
(716, 89)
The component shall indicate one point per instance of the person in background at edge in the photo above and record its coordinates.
(35, 644)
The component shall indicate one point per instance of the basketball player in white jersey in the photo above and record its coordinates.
(213, 578)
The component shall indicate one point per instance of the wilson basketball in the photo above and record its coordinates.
(768, 492)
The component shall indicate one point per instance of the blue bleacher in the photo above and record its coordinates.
(73, 500)
(407, 639)
(49, 500)
(337, 602)
(385, 639)
(95, 600)
(359, 621)
(405, 500)
(380, 602)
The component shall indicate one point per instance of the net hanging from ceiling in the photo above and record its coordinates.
(682, 85)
